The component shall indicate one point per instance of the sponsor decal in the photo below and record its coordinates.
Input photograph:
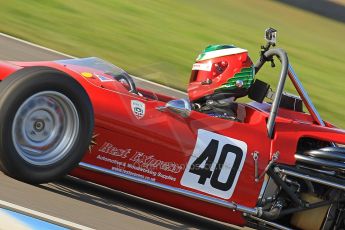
(104, 78)
(138, 163)
(86, 74)
(202, 66)
(138, 109)
(150, 162)
(113, 150)
(215, 164)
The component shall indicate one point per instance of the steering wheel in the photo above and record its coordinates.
(128, 79)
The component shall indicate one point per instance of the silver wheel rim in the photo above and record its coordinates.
(45, 127)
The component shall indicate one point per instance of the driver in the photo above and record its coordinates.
(221, 74)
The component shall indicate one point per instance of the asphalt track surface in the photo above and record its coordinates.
(85, 203)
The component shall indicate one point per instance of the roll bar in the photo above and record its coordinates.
(286, 70)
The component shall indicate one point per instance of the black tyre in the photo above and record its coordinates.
(46, 124)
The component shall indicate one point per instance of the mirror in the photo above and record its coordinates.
(180, 106)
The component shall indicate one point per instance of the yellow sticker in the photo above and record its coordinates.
(86, 74)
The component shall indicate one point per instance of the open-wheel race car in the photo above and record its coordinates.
(266, 164)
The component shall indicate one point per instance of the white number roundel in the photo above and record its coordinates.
(215, 164)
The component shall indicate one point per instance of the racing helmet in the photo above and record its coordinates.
(221, 69)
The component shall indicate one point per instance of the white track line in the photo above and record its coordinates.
(42, 216)
(157, 84)
(35, 45)
(70, 56)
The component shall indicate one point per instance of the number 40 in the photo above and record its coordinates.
(208, 156)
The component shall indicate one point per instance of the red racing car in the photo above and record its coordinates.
(266, 164)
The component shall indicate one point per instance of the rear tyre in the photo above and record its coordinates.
(46, 123)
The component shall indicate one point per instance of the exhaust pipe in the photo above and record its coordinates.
(335, 165)
(329, 153)
(310, 178)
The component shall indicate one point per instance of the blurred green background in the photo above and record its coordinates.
(159, 40)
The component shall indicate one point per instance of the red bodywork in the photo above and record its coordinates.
(158, 146)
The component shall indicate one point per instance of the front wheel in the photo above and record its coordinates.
(46, 123)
